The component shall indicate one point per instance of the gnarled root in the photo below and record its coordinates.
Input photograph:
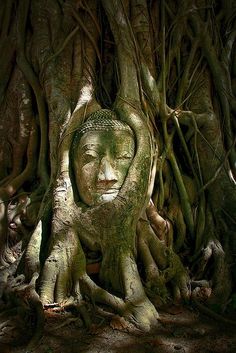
(162, 266)
(220, 274)
(137, 309)
(62, 270)
(134, 305)
(141, 312)
(161, 226)
(23, 317)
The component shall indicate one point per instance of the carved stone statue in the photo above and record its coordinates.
(102, 152)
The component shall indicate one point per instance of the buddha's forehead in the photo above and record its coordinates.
(102, 123)
(106, 139)
(103, 128)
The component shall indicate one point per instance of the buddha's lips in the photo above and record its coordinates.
(107, 191)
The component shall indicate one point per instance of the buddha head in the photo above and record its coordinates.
(102, 152)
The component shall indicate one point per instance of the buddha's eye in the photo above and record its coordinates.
(124, 156)
(90, 155)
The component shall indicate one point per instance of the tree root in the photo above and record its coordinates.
(205, 310)
(137, 310)
(22, 302)
(100, 295)
(220, 278)
(161, 264)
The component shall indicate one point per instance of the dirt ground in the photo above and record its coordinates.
(180, 330)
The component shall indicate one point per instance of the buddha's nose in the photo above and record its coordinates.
(106, 172)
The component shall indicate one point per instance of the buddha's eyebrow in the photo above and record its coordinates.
(88, 146)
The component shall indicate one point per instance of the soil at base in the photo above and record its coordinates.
(180, 330)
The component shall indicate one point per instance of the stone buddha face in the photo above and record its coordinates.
(102, 156)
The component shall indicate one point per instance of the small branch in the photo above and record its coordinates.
(185, 147)
(161, 196)
(185, 76)
(62, 47)
(28, 171)
(10, 189)
(6, 19)
(87, 8)
(163, 50)
(88, 35)
(217, 172)
(185, 203)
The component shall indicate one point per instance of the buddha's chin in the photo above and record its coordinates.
(108, 196)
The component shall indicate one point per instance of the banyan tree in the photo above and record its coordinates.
(117, 156)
